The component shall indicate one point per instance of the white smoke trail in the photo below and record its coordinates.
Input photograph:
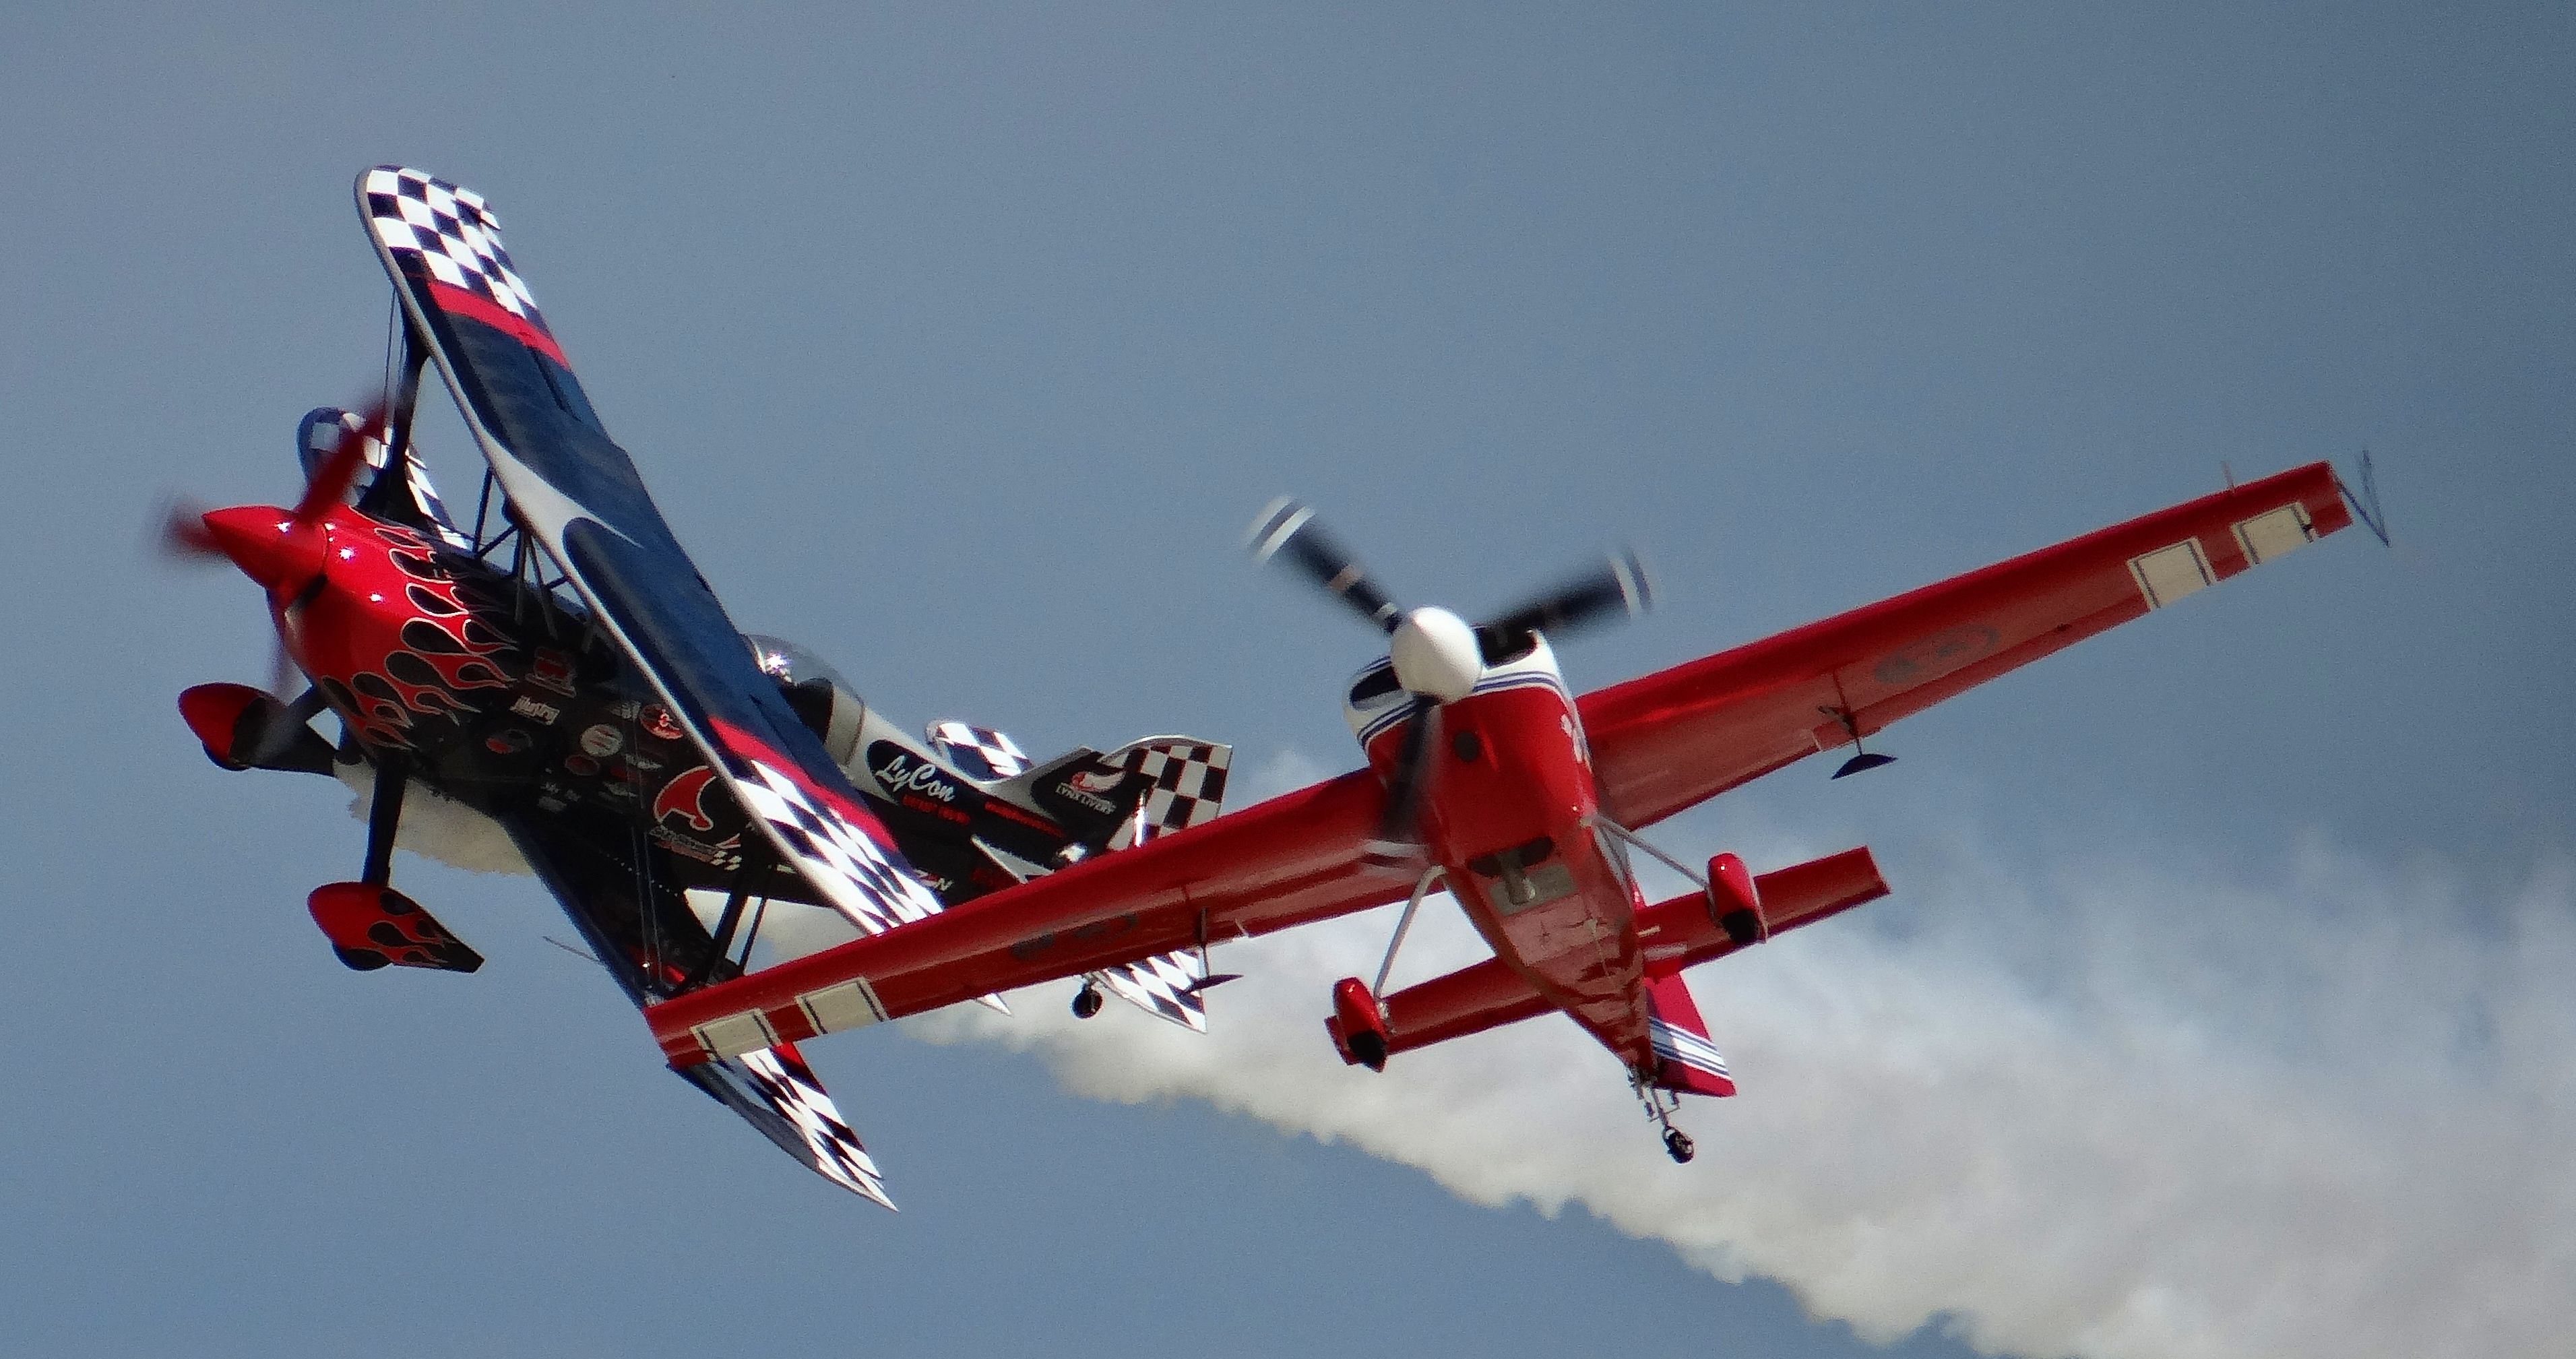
(2109, 1111)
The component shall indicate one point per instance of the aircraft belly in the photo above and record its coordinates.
(1514, 827)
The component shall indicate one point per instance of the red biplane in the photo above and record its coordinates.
(561, 669)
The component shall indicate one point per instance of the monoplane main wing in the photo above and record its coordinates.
(576, 494)
(1675, 738)
(1290, 860)
(1659, 744)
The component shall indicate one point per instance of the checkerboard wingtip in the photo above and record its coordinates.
(447, 241)
(777, 1093)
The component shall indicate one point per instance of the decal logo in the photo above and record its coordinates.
(581, 765)
(725, 855)
(601, 741)
(898, 772)
(509, 742)
(1097, 780)
(1077, 796)
(551, 670)
(536, 712)
(1096, 931)
(1936, 655)
(683, 797)
(658, 724)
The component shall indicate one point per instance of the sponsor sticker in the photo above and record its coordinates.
(535, 711)
(726, 855)
(899, 772)
(551, 669)
(1099, 780)
(601, 741)
(684, 797)
(1084, 798)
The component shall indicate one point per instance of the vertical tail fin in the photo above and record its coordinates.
(1685, 1061)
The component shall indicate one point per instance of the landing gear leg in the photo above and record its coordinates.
(1661, 1105)
(384, 814)
(369, 924)
(1086, 1002)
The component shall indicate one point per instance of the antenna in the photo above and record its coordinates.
(2365, 506)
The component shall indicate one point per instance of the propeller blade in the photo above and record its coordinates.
(338, 472)
(1289, 529)
(184, 536)
(285, 677)
(1616, 588)
(1412, 766)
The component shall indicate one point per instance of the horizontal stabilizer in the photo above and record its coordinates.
(777, 1093)
(1167, 986)
(980, 753)
(1184, 782)
(1675, 933)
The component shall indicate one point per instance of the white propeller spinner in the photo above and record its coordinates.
(1435, 655)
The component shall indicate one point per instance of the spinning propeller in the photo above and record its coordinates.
(1438, 656)
(285, 551)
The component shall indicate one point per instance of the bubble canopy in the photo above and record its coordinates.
(793, 663)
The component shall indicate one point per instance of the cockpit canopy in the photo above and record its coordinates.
(792, 664)
(821, 695)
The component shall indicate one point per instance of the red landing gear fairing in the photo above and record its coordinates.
(561, 669)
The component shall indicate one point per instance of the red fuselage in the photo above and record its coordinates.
(1508, 814)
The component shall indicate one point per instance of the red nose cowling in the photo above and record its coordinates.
(270, 545)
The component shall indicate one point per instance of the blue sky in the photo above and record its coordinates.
(962, 345)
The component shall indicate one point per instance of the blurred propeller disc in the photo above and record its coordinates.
(1437, 657)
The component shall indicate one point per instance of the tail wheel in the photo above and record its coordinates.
(1677, 1144)
(1086, 1002)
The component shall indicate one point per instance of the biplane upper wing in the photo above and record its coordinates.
(576, 494)
(1672, 739)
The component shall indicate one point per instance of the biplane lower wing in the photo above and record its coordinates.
(637, 922)
(1673, 739)
(577, 495)
(776, 1092)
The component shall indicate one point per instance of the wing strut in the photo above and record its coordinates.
(1421, 889)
